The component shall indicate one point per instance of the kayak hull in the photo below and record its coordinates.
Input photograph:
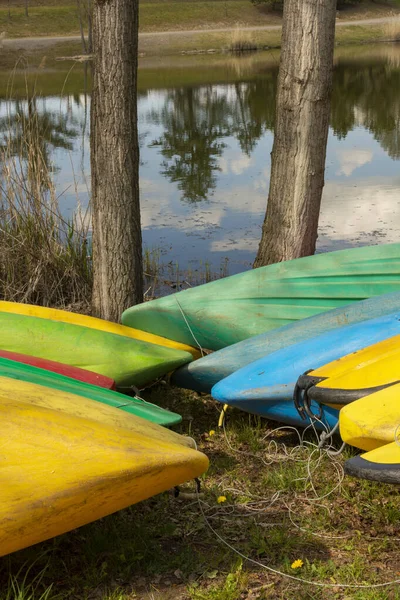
(75, 471)
(274, 378)
(382, 464)
(372, 421)
(79, 406)
(359, 374)
(134, 406)
(202, 374)
(66, 370)
(138, 362)
(223, 312)
(65, 316)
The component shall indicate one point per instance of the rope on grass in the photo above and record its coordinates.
(286, 575)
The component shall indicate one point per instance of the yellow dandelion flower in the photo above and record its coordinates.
(221, 499)
(297, 564)
(212, 432)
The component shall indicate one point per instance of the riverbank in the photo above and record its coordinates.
(189, 27)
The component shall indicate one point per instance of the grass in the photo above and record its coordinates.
(165, 549)
(392, 29)
(53, 19)
(44, 258)
(242, 41)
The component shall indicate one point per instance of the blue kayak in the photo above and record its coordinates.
(266, 387)
(200, 375)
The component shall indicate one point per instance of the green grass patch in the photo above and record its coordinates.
(42, 21)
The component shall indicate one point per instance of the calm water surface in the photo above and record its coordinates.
(206, 133)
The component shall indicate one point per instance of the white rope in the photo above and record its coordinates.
(282, 574)
(249, 506)
(188, 326)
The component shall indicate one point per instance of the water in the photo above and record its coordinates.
(206, 132)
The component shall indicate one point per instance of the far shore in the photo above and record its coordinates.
(212, 40)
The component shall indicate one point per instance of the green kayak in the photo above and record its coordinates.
(226, 311)
(128, 361)
(134, 406)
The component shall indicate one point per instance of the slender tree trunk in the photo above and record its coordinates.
(26, 8)
(301, 130)
(117, 240)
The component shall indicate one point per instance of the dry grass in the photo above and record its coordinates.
(242, 41)
(392, 29)
(44, 258)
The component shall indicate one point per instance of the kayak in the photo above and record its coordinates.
(267, 387)
(128, 361)
(79, 406)
(372, 421)
(223, 312)
(200, 375)
(59, 472)
(382, 464)
(67, 370)
(134, 406)
(355, 375)
(65, 316)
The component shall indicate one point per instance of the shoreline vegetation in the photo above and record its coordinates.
(198, 26)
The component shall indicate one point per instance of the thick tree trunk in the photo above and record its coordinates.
(117, 239)
(301, 130)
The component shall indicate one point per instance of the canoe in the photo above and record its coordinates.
(382, 464)
(355, 375)
(58, 472)
(65, 316)
(134, 406)
(79, 406)
(126, 360)
(267, 386)
(372, 421)
(223, 312)
(200, 375)
(67, 370)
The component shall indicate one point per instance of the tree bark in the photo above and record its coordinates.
(117, 238)
(301, 130)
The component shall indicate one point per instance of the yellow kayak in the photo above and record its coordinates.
(58, 471)
(372, 421)
(54, 314)
(382, 464)
(357, 375)
(79, 407)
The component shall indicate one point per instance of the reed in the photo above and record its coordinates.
(44, 258)
(242, 41)
(392, 29)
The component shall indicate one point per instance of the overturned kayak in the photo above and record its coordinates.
(79, 406)
(128, 361)
(382, 464)
(355, 375)
(58, 471)
(267, 387)
(55, 367)
(65, 316)
(134, 406)
(372, 421)
(200, 375)
(223, 312)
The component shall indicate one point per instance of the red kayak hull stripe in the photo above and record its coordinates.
(57, 367)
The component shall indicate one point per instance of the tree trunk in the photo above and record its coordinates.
(301, 130)
(117, 239)
(26, 8)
